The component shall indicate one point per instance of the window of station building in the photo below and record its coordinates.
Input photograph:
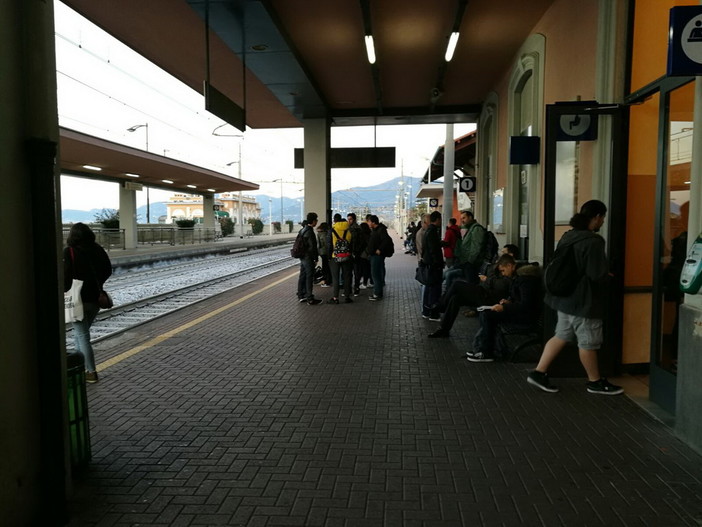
(650, 40)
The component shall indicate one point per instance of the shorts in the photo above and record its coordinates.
(587, 332)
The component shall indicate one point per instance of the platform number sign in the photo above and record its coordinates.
(467, 184)
(685, 41)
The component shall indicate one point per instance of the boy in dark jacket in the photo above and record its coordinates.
(378, 248)
(308, 262)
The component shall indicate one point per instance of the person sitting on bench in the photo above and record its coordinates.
(522, 306)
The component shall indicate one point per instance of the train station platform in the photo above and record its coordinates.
(253, 409)
(148, 253)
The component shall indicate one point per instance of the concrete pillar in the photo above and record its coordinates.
(208, 215)
(127, 216)
(449, 163)
(318, 168)
(34, 468)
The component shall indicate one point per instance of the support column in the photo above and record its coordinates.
(34, 472)
(127, 216)
(449, 163)
(318, 168)
(208, 215)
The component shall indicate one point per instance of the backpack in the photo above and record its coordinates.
(342, 248)
(390, 247)
(561, 275)
(299, 248)
(491, 246)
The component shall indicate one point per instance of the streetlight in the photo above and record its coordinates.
(281, 202)
(270, 216)
(134, 128)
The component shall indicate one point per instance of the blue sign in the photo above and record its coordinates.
(685, 41)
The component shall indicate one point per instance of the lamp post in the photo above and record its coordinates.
(134, 128)
(270, 216)
(281, 202)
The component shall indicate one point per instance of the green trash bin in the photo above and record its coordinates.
(78, 425)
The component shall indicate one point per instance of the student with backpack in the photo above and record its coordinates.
(580, 307)
(305, 248)
(339, 243)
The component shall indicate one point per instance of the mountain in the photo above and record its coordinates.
(88, 216)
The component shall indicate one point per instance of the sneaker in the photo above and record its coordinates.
(362, 286)
(604, 387)
(435, 318)
(375, 298)
(314, 301)
(439, 334)
(540, 380)
(348, 300)
(325, 285)
(302, 300)
(425, 316)
(334, 301)
(478, 357)
(91, 377)
(356, 292)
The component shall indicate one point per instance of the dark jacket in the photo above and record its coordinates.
(525, 295)
(308, 234)
(359, 240)
(588, 298)
(379, 239)
(431, 248)
(89, 263)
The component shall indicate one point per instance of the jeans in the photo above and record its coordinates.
(484, 341)
(378, 273)
(81, 334)
(460, 294)
(465, 271)
(341, 272)
(304, 283)
(430, 299)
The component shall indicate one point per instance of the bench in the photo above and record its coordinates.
(519, 338)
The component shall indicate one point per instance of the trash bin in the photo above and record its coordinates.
(78, 425)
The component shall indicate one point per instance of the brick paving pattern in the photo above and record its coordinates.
(277, 413)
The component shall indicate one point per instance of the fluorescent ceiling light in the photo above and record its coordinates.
(370, 49)
(453, 40)
(687, 182)
(191, 186)
(91, 167)
(211, 190)
(131, 175)
(167, 181)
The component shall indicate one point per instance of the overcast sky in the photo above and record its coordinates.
(104, 88)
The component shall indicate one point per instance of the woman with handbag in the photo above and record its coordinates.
(85, 260)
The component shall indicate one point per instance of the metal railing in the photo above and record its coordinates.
(111, 239)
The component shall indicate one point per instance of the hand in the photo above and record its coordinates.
(505, 301)
(377, 251)
(499, 308)
(482, 277)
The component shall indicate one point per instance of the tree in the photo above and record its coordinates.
(276, 226)
(256, 225)
(109, 218)
(227, 226)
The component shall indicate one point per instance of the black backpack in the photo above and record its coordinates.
(299, 248)
(562, 275)
(491, 247)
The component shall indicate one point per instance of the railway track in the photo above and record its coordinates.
(145, 295)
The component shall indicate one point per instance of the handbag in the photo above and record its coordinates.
(427, 275)
(105, 300)
(72, 302)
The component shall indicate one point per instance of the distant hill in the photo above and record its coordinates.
(88, 216)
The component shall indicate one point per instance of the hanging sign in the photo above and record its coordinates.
(577, 127)
(685, 41)
(467, 184)
(433, 202)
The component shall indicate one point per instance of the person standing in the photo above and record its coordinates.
(469, 251)
(365, 257)
(433, 259)
(322, 234)
(378, 248)
(357, 248)
(308, 262)
(580, 313)
(85, 260)
(453, 233)
(339, 243)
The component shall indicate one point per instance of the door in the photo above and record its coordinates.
(670, 242)
(572, 131)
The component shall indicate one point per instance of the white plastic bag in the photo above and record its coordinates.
(72, 303)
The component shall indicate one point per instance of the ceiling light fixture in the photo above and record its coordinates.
(91, 167)
(167, 181)
(451, 48)
(211, 190)
(191, 186)
(131, 175)
(370, 49)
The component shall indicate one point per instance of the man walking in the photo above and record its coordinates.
(580, 313)
(308, 262)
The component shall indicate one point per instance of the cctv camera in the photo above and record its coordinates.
(436, 94)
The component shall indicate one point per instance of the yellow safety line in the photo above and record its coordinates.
(157, 340)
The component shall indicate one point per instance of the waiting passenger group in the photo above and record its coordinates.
(462, 268)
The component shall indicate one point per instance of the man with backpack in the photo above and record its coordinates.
(580, 311)
(339, 243)
(380, 246)
(307, 241)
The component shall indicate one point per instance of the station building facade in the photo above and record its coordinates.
(600, 61)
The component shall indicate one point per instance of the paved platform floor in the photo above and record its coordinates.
(252, 409)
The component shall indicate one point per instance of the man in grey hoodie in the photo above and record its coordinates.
(580, 313)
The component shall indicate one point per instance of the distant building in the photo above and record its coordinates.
(190, 207)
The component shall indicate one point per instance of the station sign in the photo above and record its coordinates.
(433, 202)
(577, 127)
(685, 41)
(467, 184)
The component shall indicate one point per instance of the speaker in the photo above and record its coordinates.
(524, 150)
